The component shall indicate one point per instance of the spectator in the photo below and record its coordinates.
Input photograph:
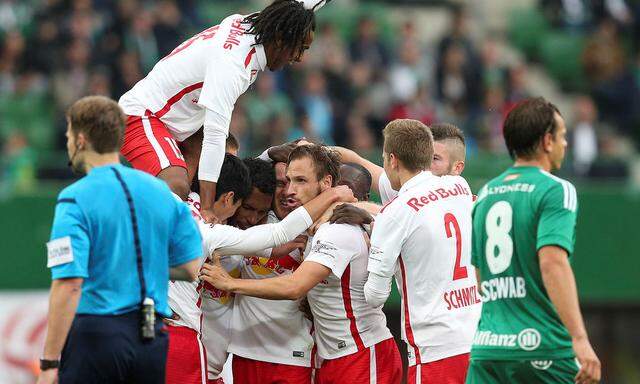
(584, 138)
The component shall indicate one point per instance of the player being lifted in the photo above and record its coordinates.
(531, 329)
(198, 84)
(423, 237)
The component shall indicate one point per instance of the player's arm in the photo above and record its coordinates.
(560, 284)
(555, 241)
(225, 80)
(242, 242)
(386, 242)
(349, 156)
(288, 287)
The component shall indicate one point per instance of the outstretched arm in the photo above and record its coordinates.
(349, 156)
(288, 287)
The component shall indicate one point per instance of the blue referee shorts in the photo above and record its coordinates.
(109, 349)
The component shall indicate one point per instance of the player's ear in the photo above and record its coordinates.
(547, 142)
(458, 167)
(326, 182)
(228, 198)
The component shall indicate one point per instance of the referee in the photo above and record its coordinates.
(118, 236)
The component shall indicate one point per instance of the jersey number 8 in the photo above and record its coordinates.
(499, 247)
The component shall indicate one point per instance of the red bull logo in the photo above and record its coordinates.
(279, 266)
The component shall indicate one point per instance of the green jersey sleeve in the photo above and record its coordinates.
(558, 212)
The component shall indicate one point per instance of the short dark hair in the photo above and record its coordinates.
(325, 160)
(283, 21)
(263, 176)
(411, 141)
(234, 177)
(359, 177)
(232, 142)
(526, 124)
(101, 120)
(445, 131)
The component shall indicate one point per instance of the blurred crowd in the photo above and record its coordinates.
(350, 84)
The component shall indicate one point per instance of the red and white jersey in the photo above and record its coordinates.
(184, 297)
(208, 71)
(344, 322)
(423, 236)
(273, 331)
(387, 193)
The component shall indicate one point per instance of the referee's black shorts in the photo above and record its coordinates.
(109, 349)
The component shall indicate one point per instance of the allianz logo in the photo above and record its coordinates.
(528, 339)
(542, 365)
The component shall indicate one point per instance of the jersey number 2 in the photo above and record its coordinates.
(499, 247)
(449, 223)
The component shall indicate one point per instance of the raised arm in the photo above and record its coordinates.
(349, 156)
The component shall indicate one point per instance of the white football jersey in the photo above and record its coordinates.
(208, 71)
(424, 238)
(387, 193)
(344, 322)
(184, 297)
(274, 331)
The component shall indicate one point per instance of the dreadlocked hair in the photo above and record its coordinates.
(286, 22)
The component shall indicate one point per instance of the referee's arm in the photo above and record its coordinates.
(68, 258)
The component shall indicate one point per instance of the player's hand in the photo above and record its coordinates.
(350, 214)
(344, 194)
(322, 219)
(171, 320)
(299, 243)
(213, 273)
(209, 217)
(280, 153)
(589, 364)
(50, 376)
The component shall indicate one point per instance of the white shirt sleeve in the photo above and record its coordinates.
(224, 81)
(214, 140)
(386, 242)
(384, 187)
(334, 247)
(234, 241)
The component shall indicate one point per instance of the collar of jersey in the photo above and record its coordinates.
(415, 180)
(261, 63)
(104, 168)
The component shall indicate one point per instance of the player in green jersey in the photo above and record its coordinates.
(531, 329)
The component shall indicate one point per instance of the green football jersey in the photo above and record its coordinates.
(516, 214)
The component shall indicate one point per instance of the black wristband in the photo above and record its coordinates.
(49, 364)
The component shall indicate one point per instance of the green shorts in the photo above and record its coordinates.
(522, 371)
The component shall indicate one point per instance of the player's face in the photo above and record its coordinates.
(558, 143)
(253, 209)
(278, 56)
(441, 162)
(280, 197)
(303, 183)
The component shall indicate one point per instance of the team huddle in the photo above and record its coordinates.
(298, 263)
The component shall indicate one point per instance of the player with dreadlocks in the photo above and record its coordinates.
(198, 84)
